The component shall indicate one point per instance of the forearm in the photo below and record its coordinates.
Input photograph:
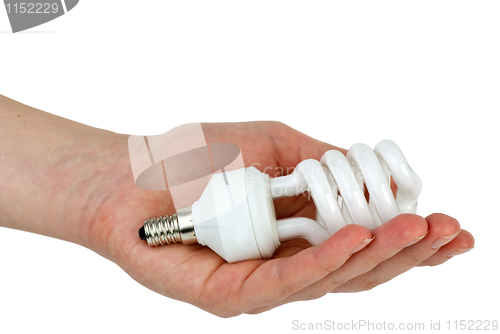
(50, 171)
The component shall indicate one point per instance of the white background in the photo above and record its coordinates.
(424, 74)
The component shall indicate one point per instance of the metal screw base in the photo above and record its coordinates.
(169, 229)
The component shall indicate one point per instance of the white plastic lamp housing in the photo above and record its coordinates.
(235, 216)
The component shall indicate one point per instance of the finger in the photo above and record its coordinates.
(277, 279)
(442, 230)
(463, 243)
(390, 238)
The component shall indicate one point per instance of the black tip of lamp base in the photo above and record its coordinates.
(142, 234)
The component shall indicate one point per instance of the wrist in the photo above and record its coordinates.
(102, 169)
(51, 171)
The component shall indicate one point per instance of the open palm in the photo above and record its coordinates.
(197, 275)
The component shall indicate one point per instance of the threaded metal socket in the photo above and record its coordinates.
(169, 229)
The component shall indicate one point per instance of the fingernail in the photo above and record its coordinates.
(441, 241)
(417, 240)
(458, 251)
(362, 245)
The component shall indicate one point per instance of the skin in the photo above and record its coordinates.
(73, 182)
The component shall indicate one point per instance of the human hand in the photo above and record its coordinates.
(297, 271)
(73, 182)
